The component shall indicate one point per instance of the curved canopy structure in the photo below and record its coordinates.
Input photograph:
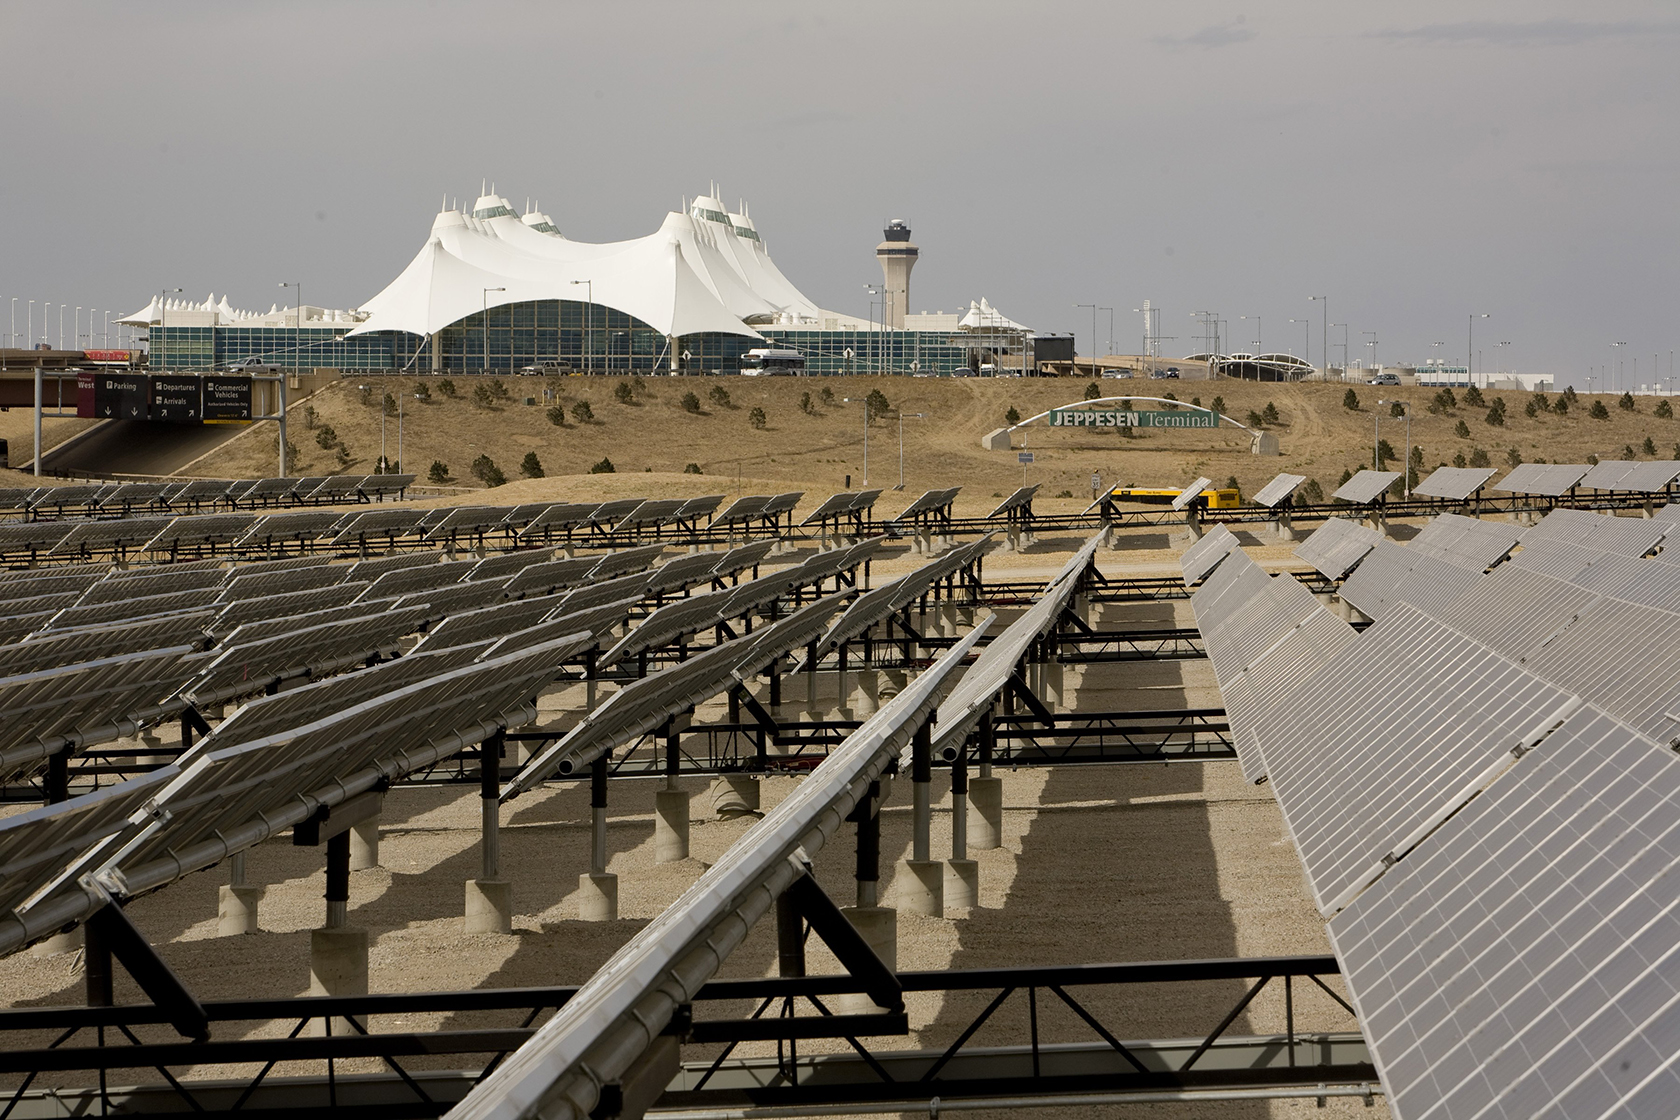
(702, 271)
(1255, 367)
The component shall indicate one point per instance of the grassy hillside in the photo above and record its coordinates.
(818, 448)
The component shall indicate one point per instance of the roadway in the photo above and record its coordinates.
(138, 447)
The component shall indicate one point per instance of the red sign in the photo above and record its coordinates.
(111, 356)
(84, 394)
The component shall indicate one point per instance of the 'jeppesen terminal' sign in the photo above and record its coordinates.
(1116, 418)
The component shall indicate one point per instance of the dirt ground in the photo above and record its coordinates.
(1105, 863)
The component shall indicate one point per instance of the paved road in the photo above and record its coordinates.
(139, 447)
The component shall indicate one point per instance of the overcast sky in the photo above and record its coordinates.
(1416, 163)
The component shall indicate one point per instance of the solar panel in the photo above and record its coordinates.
(747, 508)
(1336, 546)
(199, 529)
(625, 560)
(1453, 483)
(268, 490)
(1521, 961)
(441, 601)
(890, 597)
(509, 617)
(1466, 541)
(302, 526)
(1190, 493)
(132, 494)
(509, 563)
(561, 515)
(670, 622)
(99, 536)
(1627, 536)
(1019, 499)
(830, 508)
(47, 581)
(1204, 556)
(100, 614)
(201, 490)
(607, 591)
(1254, 689)
(279, 606)
(608, 512)
(36, 604)
(144, 583)
(16, 627)
(550, 576)
(1638, 580)
(741, 558)
(1544, 479)
(380, 484)
(1650, 477)
(54, 649)
(1669, 512)
(653, 512)
(1386, 739)
(683, 572)
(33, 536)
(1365, 487)
(1278, 489)
(338, 488)
(931, 502)
(62, 497)
(16, 497)
(358, 526)
(423, 578)
(696, 508)
(863, 501)
(380, 565)
(1392, 575)
(325, 647)
(246, 585)
(469, 519)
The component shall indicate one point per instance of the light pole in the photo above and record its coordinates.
(1093, 308)
(588, 326)
(61, 326)
(874, 338)
(1470, 347)
(297, 320)
(484, 327)
(29, 322)
(1326, 339)
(1109, 348)
(1406, 465)
(865, 401)
(1306, 337)
(11, 333)
(163, 310)
(901, 416)
(1344, 327)
(1618, 353)
(1373, 345)
(382, 463)
(76, 328)
(1259, 339)
(1500, 360)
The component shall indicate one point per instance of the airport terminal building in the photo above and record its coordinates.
(498, 291)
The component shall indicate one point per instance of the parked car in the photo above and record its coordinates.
(1171, 372)
(542, 369)
(1116, 373)
(253, 365)
(1383, 379)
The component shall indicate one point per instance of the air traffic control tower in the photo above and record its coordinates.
(897, 256)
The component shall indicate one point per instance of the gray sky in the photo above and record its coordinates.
(1416, 163)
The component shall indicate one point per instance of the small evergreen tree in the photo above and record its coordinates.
(582, 413)
(1270, 412)
(446, 387)
(1479, 458)
(691, 403)
(1540, 403)
(623, 393)
(605, 466)
(1531, 410)
(343, 457)
(482, 397)
(827, 395)
(439, 471)
(1350, 401)
(756, 418)
(720, 396)
(309, 417)
(326, 437)
(1255, 420)
(1093, 391)
(366, 393)
(1312, 492)
(1627, 403)
(1461, 430)
(486, 471)
(1592, 460)
(1012, 416)
(1346, 474)
(1598, 411)
(422, 392)
(1458, 460)
(1473, 398)
(1218, 404)
(556, 415)
(805, 405)
(1628, 452)
(1396, 409)
(1664, 411)
(1561, 406)
(877, 402)
(531, 466)
(1385, 451)
(1649, 446)
(1496, 417)
(693, 468)
(1513, 458)
(390, 404)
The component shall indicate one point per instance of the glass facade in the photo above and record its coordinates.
(577, 336)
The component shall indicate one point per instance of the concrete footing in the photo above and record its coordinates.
(338, 966)
(985, 823)
(921, 887)
(734, 795)
(962, 885)
(236, 910)
(866, 696)
(489, 906)
(69, 941)
(597, 897)
(878, 926)
(364, 844)
(670, 825)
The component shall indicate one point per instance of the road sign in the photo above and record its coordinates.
(1131, 418)
(227, 398)
(120, 397)
(1024, 457)
(176, 399)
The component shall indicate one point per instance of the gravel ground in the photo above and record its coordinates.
(1106, 863)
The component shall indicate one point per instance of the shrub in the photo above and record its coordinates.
(1197, 401)
(1346, 474)
(1561, 406)
(1531, 410)
(293, 456)
(720, 396)
(1385, 451)
(1649, 447)
(1350, 401)
(497, 389)
(422, 391)
(1598, 411)
(691, 403)
(582, 413)
(1065, 494)
(1013, 416)
(326, 437)
(1217, 404)
(446, 387)
(1446, 400)
(390, 404)
(623, 393)
(366, 393)
(1628, 452)
(1093, 391)
(756, 418)
(531, 466)
(482, 396)
(1312, 492)
(1540, 403)
(605, 466)
(1461, 430)
(1473, 398)
(1254, 419)
(1479, 458)
(1458, 460)
(1513, 458)
(1496, 417)
(556, 415)
(1627, 403)
(1571, 395)
(693, 468)
(1231, 483)
(439, 471)
(1396, 409)
(877, 402)
(826, 395)
(1664, 411)
(1270, 412)
(805, 405)
(486, 471)
(309, 416)
(1171, 397)
(380, 466)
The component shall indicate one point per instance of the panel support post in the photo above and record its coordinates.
(922, 878)
(338, 954)
(876, 924)
(236, 903)
(962, 875)
(489, 898)
(670, 805)
(597, 890)
(790, 937)
(985, 792)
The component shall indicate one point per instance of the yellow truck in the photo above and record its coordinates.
(1223, 497)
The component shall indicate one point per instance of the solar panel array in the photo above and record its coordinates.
(1650, 477)
(1336, 546)
(1365, 487)
(1278, 489)
(1549, 480)
(1467, 541)
(930, 503)
(896, 595)
(1204, 556)
(1020, 499)
(1482, 790)
(1190, 493)
(1453, 483)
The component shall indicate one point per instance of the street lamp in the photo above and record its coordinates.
(484, 327)
(1326, 321)
(1618, 382)
(1259, 343)
(1406, 465)
(1093, 308)
(865, 400)
(1306, 337)
(1373, 345)
(1500, 360)
(875, 339)
(29, 322)
(1344, 327)
(1470, 347)
(297, 320)
(901, 416)
(382, 464)
(588, 326)
(1109, 348)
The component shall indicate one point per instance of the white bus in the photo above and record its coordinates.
(772, 363)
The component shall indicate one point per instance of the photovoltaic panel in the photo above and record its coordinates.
(1336, 546)
(61, 498)
(1453, 483)
(99, 536)
(888, 598)
(15, 587)
(1391, 575)
(683, 572)
(52, 650)
(1365, 487)
(831, 507)
(371, 570)
(379, 484)
(423, 578)
(1256, 689)
(550, 576)
(609, 512)
(466, 596)
(1388, 738)
(560, 515)
(201, 529)
(1278, 489)
(1635, 579)
(1544, 479)
(741, 558)
(699, 507)
(16, 497)
(1466, 541)
(1204, 556)
(1249, 628)
(133, 495)
(1649, 477)
(305, 525)
(508, 563)
(468, 519)
(132, 585)
(36, 604)
(247, 667)
(261, 607)
(1190, 493)
(16, 627)
(339, 488)
(33, 536)
(625, 560)
(1225, 590)
(653, 512)
(1020, 498)
(266, 490)
(388, 522)
(781, 503)
(200, 491)
(863, 501)
(607, 591)
(246, 585)
(278, 564)
(747, 508)
(39, 709)
(1522, 962)
(102, 614)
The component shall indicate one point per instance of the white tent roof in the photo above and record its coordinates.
(695, 274)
